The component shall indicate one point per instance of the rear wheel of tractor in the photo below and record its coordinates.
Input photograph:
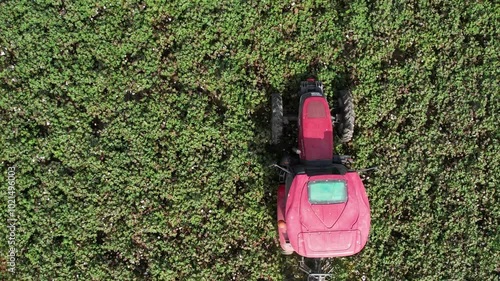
(344, 127)
(276, 118)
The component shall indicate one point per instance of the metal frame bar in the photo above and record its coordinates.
(320, 271)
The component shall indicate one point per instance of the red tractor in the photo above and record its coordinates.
(323, 208)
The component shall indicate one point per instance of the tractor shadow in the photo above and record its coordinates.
(271, 154)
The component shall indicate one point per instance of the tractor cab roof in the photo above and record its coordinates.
(327, 215)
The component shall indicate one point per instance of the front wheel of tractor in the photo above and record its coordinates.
(276, 118)
(344, 127)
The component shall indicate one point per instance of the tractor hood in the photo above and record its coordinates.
(327, 215)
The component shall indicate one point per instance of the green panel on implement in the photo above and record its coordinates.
(327, 192)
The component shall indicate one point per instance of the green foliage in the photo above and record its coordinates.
(141, 138)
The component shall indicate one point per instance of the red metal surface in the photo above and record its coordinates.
(283, 236)
(315, 130)
(329, 230)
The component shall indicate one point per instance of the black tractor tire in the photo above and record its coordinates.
(276, 118)
(344, 127)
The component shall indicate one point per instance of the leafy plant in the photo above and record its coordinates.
(140, 134)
